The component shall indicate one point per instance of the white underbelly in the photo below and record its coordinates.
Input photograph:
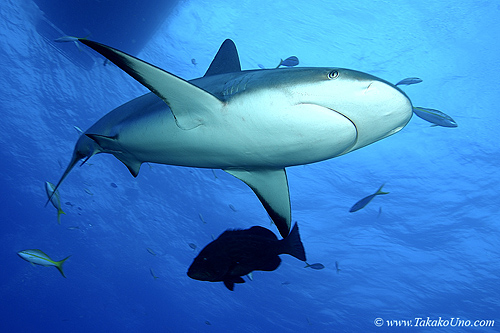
(244, 137)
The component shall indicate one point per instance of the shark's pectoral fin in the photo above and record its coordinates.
(271, 187)
(190, 105)
(110, 144)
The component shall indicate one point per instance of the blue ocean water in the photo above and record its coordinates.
(430, 249)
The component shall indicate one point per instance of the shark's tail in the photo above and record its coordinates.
(77, 156)
(293, 245)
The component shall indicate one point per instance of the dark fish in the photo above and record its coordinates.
(285, 283)
(113, 185)
(193, 61)
(68, 203)
(408, 81)
(337, 266)
(232, 208)
(363, 202)
(208, 323)
(192, 245)
(236, 253)
(436, 117)
(289, 62)
(315, 266)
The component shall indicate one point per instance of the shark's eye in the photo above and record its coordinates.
(333, 74)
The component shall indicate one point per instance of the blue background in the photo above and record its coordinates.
(432, 252)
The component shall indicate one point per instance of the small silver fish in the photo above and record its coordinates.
(151, 251)
(37, 257)
(153, 274)
(201, 218)
(408, 81)
(78, 130)
(366, 200)
(55, 199)
(192, 245)
(436, 117)
(65, 39)
(337, 266)
(289, 62)
(232, 208)
(314, 266)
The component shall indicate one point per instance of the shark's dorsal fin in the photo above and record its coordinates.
(271, 187)
(190, 105)
(225, 61)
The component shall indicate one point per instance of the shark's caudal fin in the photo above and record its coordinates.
(74, 160)
(225, 61)
(271, 187)
(190, 105)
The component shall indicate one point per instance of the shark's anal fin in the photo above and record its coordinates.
(111, 145)
(271, 187)
(190, 105)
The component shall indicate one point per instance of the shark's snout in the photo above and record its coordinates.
(381, 111)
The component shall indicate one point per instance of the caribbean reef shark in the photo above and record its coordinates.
(251, 124)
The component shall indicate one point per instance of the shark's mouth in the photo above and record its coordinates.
(355, 141)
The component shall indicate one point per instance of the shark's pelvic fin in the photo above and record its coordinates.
(190, 105)
(110, 145)
(271, 187)
(225, 61)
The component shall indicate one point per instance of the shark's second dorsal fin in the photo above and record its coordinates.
(225, 61)
(190, 105)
